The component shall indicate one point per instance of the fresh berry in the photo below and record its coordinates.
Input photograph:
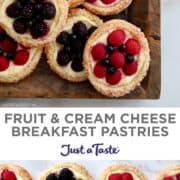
(49, 10)
(111, 69)
(1, 51)
(98, 52)
(4, 63)
(122, 48)
(114, 78)
(127, 176)
(21, 57)
(133, 47)
(110, 49)
(39, 29)
(10, 55)
(8, 44)
(80, 29)
(12, 11)
(116, 38)
(63, 38)
(77, 66)
(52, 177)
(99, 70)
(129, 58)
(65, 173)
(108, 1)
(8, 175)
(168, 178)
(77, 46)
(117, 59)
(115, 176)
(20, 26)
(105, 62)
(28, 10)
(91, 1)
(130, 69)
(178, 176)
(1, 30)
(63, 58)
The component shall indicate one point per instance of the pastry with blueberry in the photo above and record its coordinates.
(66, 171)
(117, 58)
(13, 172)
(106, 7)
(122, 172)
(171, 173)
(65, 56)
(33, 22)
(16, 60)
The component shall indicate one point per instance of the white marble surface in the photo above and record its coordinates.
(150, 168)
(170, 95)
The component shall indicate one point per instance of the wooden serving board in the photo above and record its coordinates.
(45, 84)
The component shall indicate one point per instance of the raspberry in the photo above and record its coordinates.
(91, 1)
(8, 44)
(178, 176)
(21, 57)
(4, 63)
(116, 38)
(115, 78)
(99, 71)
(8, 175)
(115, 176)
(130, 69)
(1, 30)
(98, 52)
(127, 176)
(133, 47)
(117, 59)
(168, 178)
(108, 1)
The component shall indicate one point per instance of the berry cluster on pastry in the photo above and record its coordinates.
(112, 55)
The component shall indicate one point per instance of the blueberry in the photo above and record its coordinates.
(63, 58)
(72, 38)
(129, 58)
(65, 173)
(49, 10)
(77, 46)
(10, 55)
(122, 48)
(12, 11)
(67, 49)
(111, 69)
(110, 49)
(2, 36)
(80, 29)
(52, 177)
(63, 38)
(19, 26)
(105, 62)
(28, 10)
(77, 67)
(1, 52)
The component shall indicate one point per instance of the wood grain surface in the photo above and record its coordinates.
(44, 83)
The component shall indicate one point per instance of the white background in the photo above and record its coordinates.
(170, 13)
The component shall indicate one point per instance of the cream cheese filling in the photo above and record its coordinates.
(126, 80)
(68, 27)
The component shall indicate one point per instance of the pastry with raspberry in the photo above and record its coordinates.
(16, 60)
(171, 173)
(122, 172)
(106, 7)
(13, 172)
(116, 58)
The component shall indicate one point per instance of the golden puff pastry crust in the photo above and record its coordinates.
(55, 25)
(105, 10)
(78, 170)
(126, 85)
(52, 49)
(75, 3)
(123, 168)
(19, 171)
(169, 172)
